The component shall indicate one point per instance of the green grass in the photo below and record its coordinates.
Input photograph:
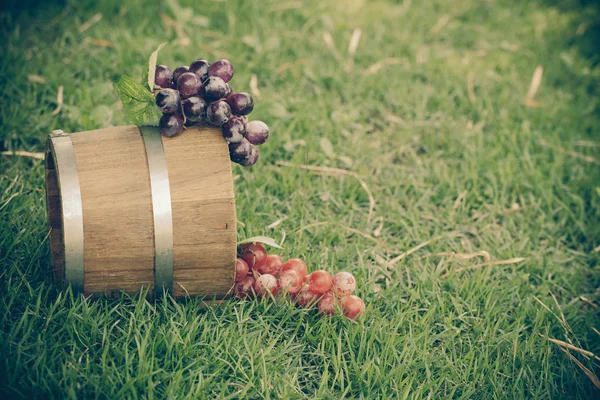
(443, 164)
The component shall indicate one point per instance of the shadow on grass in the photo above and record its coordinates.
(37, 8)
(582, 37)
(45, 11)
(587, 37)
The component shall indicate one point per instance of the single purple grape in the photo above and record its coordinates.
(238, 152)
(218, 113)
(200, 68)
(188, 84)
(257, 132)
(178, 71)
(214, 88)
(163, 77)
(170, 125)
(252, 157)
(234, 129)
(167, 100)
(228, 91)
(194, 109)
(241, 103)
(221, 68)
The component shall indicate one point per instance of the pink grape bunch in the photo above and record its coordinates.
(201, 95)
(262, 275)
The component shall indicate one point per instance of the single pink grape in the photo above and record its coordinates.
(353, 306)
(265, 284)
(241, 269)
(306, 298)
(244, 288)
(254, 254)
(320, 281)
(272, 265)
(295, 264)
(327, 305)
(344, 283)
(291, 282)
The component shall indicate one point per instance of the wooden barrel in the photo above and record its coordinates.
(129, 209)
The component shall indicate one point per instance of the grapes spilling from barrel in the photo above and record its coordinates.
(263, 276)
(200, 94)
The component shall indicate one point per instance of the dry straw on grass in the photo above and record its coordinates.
(254, 86)
(39, 156)
(483, 253)
(349, 229)
(571, 153)
(514, 260)
(354, 41)
(568, 347)
(377, 231)
(536, 81)
(276, 223)
(337, 172)
(585, 370)
(91, 22)
(36, 78)
(99, 42)
(59, 101)
(442, 22)
(329, 42)
(385, 63)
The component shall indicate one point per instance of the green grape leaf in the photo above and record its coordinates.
(261, 239)
(152, 65)
(137, 101)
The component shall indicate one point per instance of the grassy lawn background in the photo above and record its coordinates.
(442, 137)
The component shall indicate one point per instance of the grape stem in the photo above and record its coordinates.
(184, 117)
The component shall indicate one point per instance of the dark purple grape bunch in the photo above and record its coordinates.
(201, 95)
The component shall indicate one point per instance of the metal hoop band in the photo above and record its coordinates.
(161, 208)
(72, 209)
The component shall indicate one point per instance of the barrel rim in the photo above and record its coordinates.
(61, 156)
(162, 213)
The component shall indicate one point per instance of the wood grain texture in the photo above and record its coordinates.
(118, 218)
(117, 210)
(203, 203)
